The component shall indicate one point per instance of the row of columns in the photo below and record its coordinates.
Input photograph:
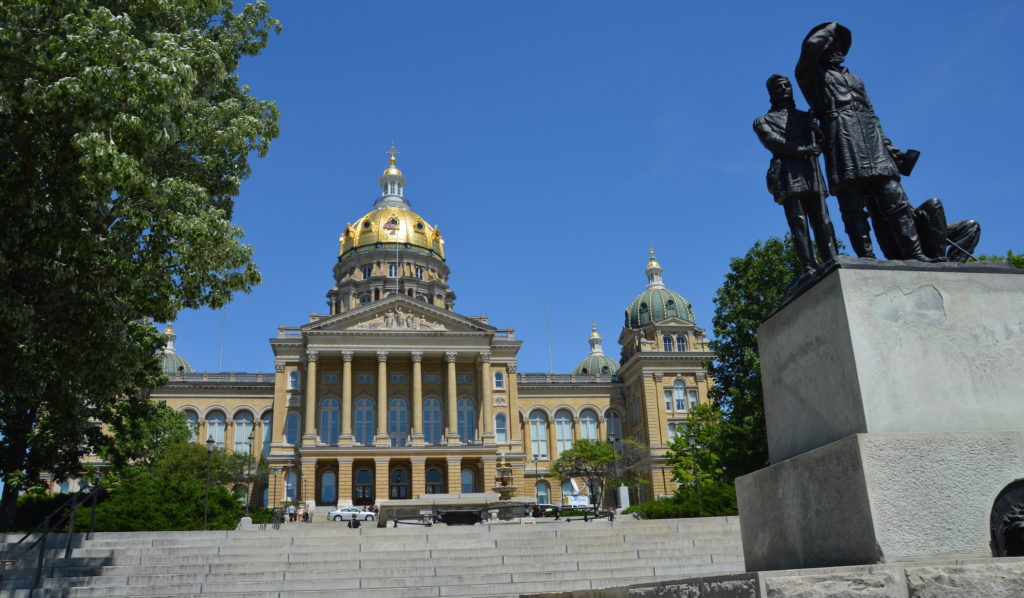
(382, 471)
(416, 425)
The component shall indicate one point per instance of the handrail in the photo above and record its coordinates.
(11, 555)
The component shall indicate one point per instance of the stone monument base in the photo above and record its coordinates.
(878, 498)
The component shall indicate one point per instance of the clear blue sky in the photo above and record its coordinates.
(554, 142)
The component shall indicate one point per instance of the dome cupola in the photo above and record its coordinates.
(597, 362)
(657, 303)
(170, 361)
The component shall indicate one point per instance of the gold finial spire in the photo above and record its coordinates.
(169, 329)
(393, 153)
(593, 330)
(653, 261)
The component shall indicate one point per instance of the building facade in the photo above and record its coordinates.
(393, 394)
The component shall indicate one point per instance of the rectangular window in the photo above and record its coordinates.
(668, 400)
(367, 271)
(431, 378)
(330, 377)
(393, 270)
(419, 273)
(364, 378)
(397, 378)
(693, 397)
(680, 402)
(464, 378)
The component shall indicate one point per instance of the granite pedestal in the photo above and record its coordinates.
(894, 403)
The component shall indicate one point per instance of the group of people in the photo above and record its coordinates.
(298, 514)
(862, 165)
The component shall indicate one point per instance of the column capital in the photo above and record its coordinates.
(418, 460)
(450, 356)
(312, 355)
(381, 460)
(417, 356)
(658, 376)
(345, 460)
(484, 357)
(278, 366)
(453, 459)
(512, 368)
(701, 376)
(382, 355)
(347, 355)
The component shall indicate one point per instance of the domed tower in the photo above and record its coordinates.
(597, 362)
(170, 361)
(389, 251)
(659, 319)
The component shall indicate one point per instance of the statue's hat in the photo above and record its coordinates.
(843, 36)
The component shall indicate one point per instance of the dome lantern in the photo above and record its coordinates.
(597, 362)
(392, 185)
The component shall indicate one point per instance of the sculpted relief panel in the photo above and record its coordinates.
(397, 319)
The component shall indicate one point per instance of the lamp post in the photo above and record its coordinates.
(615, 467)
(696, 479)
(210, 443)
(248, 473)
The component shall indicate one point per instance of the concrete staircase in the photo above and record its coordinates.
(304, 560)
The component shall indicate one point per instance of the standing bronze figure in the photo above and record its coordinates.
(863, 166)
(794, 178)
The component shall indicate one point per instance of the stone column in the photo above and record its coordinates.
(309, 420)
(419, 477)
(381, 489)
(307, 482)
(280, 403)
(486, 402)
(203, 433)
(345, 481)
(454, 475)
(346, 400)
(229, 438)
(417, 398)
(275, 486)
(381, 439)
(450, 387)
(577, 429)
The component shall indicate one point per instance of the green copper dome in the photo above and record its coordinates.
(597, 362)
(170, 361)
(657, 303)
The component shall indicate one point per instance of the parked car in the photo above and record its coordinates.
(347, 513)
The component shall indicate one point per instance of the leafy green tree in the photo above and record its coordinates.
(1016, 259)
(696, 459)
(753, 290)
(124, 136)
(170, 494)
(591, 460)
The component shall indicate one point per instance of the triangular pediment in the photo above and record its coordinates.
(397, 314)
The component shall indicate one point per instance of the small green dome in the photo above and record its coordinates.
(170, 361)
(655, 305)
(597, 364)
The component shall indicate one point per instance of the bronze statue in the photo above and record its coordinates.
(794, 178)
(862, 165)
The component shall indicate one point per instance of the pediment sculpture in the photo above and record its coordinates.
(397, 319)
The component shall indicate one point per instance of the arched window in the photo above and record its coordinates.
(293, 380)
(291, 482)
(680, 343)
(468, 481)
(398, 422)
(215, 423)
(500, 428)
(435, 481)
(563, 431)
(543, 493)
(432, 421)
(268, 427)
(588, 425)
(363, 491)
(666, 341)
(243, 427)
(330, 419)
(567, 489)
(328, 487)
(193, 425)
(467, 420)
(499, 381)
(364, 422)
(539, 435)
(679, 392)
(291, 428)
(613, 425)
(265, 497)
(399, 484)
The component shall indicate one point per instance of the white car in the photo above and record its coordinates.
(347, 513)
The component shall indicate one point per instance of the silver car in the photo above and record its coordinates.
(348, 513)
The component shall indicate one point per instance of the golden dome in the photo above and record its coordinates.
(653, 262)
(392, 170)
(392, 225)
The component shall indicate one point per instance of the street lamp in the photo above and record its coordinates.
(210, 443)
(615, 467)
(696, 480)
(248, 473)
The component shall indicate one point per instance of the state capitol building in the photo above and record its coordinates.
(393, 394)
